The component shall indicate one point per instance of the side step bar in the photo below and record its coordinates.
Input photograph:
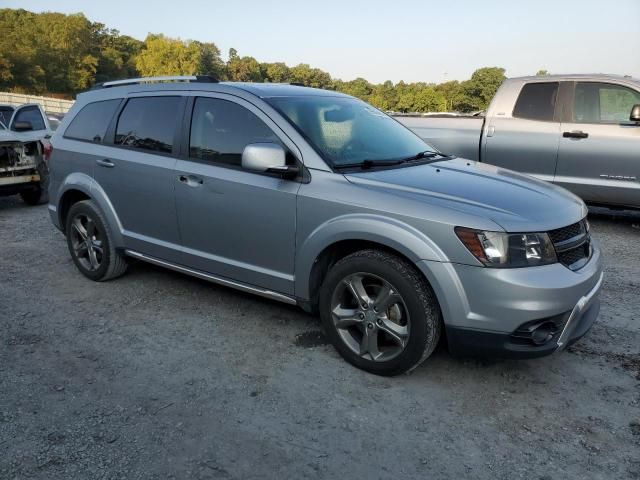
(214, 279)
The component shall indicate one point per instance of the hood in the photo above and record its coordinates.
(514, 201)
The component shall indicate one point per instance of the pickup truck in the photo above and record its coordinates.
(24, 148)
(581, 132)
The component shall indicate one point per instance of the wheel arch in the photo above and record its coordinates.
(78, 187)
(340, 237)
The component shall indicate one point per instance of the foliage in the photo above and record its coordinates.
(64, 54)
(161, 55)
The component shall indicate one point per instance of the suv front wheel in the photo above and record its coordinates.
(379, 312)
(90, 245)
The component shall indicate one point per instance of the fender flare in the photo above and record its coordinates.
(392, 233)
(85, 184)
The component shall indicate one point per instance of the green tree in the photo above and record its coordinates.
(542, 73)
(480, 89)
(358, 88)
(243, 69)
(275, 72)
(310, 77)
(427, 99)
(162, 55)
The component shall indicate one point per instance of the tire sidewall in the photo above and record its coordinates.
(90, 210)
(421, 321)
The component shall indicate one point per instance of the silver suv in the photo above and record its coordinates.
(316, 198)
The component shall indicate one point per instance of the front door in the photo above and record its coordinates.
(235, 223)
(599, 155)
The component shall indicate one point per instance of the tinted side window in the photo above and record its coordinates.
(221, 129)
(33, 115)
(92, 121)
(537, 101)
(149, 123)
(603, 103)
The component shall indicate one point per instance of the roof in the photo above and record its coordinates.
(205, 83)
(579, 76)
(265, 90)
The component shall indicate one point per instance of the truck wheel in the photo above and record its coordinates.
(379, 312)
(90, 244)
(37, 196)
(40, 194)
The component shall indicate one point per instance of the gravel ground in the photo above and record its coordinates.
(159, 375)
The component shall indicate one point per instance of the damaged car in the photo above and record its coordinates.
(24, 151)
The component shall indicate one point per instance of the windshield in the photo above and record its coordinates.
(347, 130)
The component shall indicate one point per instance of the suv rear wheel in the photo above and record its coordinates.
(90, 245)
(379, 312)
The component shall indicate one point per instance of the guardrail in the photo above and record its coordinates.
(50, 105)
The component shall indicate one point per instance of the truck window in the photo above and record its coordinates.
(91, 122)
(220, 130)
(603, 102)
(537, 101)
(149, 123)
(33, 115)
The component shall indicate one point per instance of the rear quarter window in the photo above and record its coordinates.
(537, 101)
(92, 120)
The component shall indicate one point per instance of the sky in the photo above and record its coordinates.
(410, 40)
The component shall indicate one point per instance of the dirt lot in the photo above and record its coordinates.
(159, 375)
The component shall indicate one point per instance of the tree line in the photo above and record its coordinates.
(53, 53)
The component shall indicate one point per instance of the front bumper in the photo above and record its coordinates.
(575, 324)
(485, 309)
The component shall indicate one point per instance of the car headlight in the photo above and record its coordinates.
(508, 250)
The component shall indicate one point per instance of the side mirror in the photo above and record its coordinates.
(266, 157)
(635, 113)
(22, 126)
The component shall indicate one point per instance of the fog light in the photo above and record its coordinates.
(543, 333)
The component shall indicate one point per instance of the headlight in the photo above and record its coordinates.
(508, 250)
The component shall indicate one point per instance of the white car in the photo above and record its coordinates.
(24, 148)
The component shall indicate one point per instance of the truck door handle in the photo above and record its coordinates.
(106, 163)
(575, 134)
(191, 180)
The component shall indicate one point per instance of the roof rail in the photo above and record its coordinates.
(141, 80)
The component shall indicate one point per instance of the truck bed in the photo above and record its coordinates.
(458, 136)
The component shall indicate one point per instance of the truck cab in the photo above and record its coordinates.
(575, 131)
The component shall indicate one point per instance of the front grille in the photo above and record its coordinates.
(572, 244)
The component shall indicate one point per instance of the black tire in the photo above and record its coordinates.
(111, 263)
(417, 297)
(40, 194)
(37, 196)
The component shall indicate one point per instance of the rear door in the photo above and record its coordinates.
(599, 156)
(137, 172)
(526, 139)
(233, 222)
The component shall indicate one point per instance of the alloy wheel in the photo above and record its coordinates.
(86, 240)
(370, 316)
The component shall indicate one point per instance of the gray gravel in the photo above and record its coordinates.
(159, 375)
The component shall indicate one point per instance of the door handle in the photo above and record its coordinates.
(106, 163)
(191, 180)
(575, 134)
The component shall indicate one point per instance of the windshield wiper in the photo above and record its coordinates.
(367, 164)
(426, 154)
